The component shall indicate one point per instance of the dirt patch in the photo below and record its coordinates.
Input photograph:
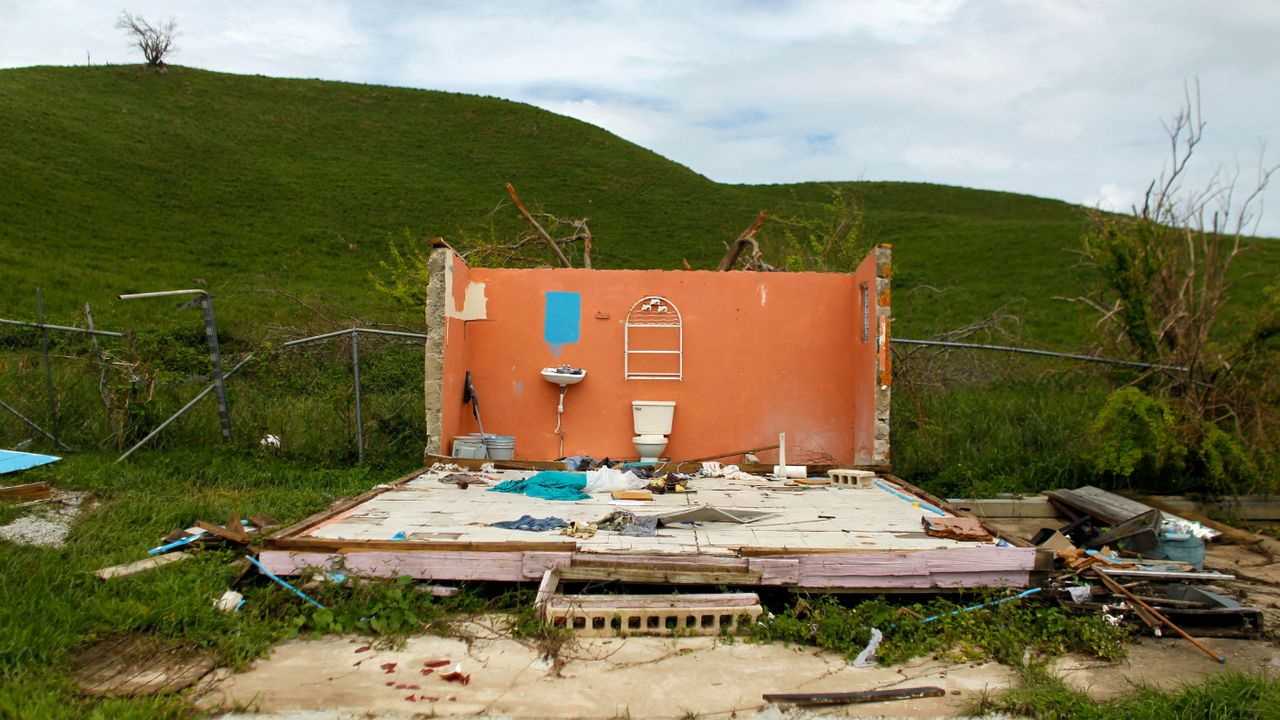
(48, 523)
(1165, 663)
(636, 677)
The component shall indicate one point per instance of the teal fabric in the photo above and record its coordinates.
(548, 484)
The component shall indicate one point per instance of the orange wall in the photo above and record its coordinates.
(763, 353)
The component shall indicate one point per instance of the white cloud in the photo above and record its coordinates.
(1113, 198)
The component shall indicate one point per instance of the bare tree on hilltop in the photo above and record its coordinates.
(155, 41)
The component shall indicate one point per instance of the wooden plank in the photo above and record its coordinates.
(536, 564)
(776, 571)
(958, 512)
(27, 492)
(547, 588)
(496, 566)
(690, 600)
(357, 546)
(861, 696)
(474, 464)
(1103, 506)
(691, 563)
(141, 566)
(222, 532)
(1166, 575)
(657, 576)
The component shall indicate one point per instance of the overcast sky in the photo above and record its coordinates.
(1059, 98)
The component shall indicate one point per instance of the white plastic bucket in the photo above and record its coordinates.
(500, 447)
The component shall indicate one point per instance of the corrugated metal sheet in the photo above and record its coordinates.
(12, 461)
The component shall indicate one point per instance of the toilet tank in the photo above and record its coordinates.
(652, 417)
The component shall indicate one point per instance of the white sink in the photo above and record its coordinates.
(563, 376)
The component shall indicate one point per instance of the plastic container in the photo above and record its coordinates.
(470, 447)
(1181, 547)
(500, 447)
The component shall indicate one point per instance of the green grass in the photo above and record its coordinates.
(51, 604)
(1222, 697)
(126, 179)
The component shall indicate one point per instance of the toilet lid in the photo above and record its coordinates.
(649, 439)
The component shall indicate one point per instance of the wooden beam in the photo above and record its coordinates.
(658, 576)
(340, 545)
(30, 491)
(861, 696)
(141, 566)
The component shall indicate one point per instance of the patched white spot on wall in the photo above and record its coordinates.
(518, 387)
(475, 304)
(764, 295)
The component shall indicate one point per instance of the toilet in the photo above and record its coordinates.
(651, 420)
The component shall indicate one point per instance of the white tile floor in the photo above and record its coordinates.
(822, 517)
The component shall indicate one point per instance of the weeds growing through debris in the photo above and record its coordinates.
(1005, 633)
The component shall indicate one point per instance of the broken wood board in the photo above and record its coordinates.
(986, 566)
(134, 665)
(861, 696)
(955, 528)
(1103, 506)
(28, 492)
(449, 535)
(141, 566)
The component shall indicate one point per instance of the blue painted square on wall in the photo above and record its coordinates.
(561, 324)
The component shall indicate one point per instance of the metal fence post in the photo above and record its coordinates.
(48, 369)
(211, 333)
(6, 406)
(355, 368)
(103, 390)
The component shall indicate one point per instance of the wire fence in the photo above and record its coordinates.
(338, 396)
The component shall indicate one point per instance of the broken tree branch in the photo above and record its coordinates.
(564, 261)
(748, 237)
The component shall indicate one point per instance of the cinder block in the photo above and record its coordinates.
(624, 615)
(861, 479)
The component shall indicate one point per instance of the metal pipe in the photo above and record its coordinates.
(355, 369)
(60, 328)
(48, 369)
(1046, 353)
(215, 358)
(396, 333)
(315, 338)
(205, 300)
(337, 333)
(191, 403)
(33, 426)
(160, 293)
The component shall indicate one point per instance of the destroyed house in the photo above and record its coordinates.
(749, 412)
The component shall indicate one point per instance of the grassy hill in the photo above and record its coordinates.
(282, 196)
(116, 179)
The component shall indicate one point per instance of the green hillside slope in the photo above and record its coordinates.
(116, 179)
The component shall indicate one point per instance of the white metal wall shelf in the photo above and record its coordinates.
(652, 315)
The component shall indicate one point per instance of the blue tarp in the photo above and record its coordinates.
(548, 484)
(13, 461)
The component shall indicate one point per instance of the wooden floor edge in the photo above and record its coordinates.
(340, 506)
(959, 512)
